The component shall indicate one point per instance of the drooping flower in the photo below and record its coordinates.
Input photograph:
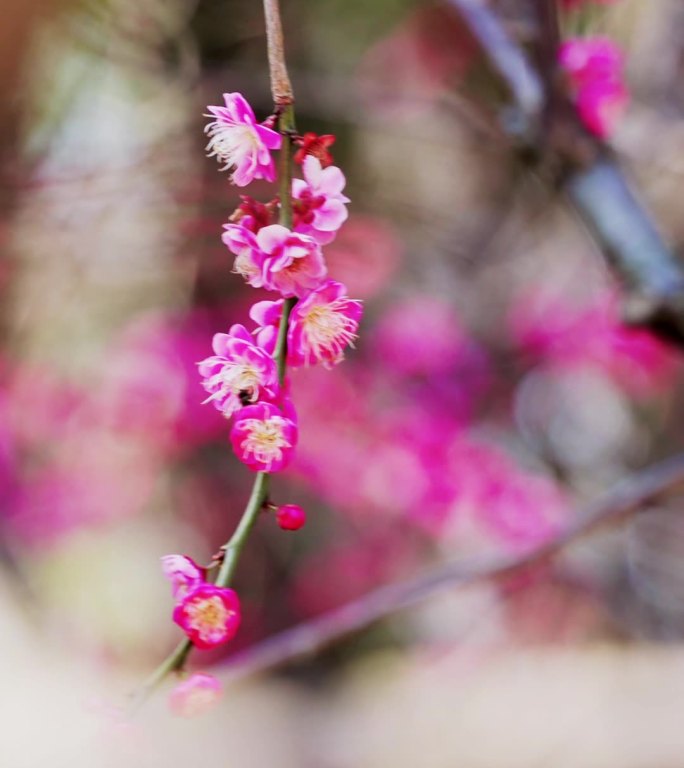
(195, 696)
(322, 325)
(291, 263)
(290, 517)
(312, 144)
(239, 373)
(183, 573)
(594, 67)
(264, 437)
(238, 141)
(209, 615)
(319, 205)
(241, 241)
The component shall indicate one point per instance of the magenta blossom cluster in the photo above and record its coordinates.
(244, 376)
(241, 376)
(209, 615)
(594, 68)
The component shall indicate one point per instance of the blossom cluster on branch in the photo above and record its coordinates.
(312, 321)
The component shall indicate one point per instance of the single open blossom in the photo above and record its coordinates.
(209, 615)
(290, 517)
(594, 67)
(319, 205)
(264, 437)
(322, 325)
(312, 144)
(194, 696)
(238, 141)
(183, 573)
(239, 373)
(291, 263)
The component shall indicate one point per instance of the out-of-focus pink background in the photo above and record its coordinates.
(493, 392)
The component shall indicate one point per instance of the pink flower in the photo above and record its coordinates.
(276, 258)
(321, 325)
(291, 263)
(595, 71)
(242, 242)
(239, 373)
(588, 59)
(209, 615)
(319, 205)
(290, 517)
(183, 573)
(194, 696)
(237, 140)
(601, 105)
(264, 437)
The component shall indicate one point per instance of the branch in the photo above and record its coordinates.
(572, 159)
(627, 497)
(281, 88)
(619, 222)
(511, 64)
(283, 99)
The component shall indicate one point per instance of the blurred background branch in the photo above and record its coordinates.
(549, 137)
(628, 497)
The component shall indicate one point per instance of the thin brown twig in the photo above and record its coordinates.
(629, 496)
(281, 88)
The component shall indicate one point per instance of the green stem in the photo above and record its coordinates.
(233, 548)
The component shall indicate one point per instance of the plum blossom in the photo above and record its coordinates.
(209, 615)
(239, 373)
(238, 141)
(319, 205)
(264, 437)
(322, 325)
(194, 696)
(291, 263)
(241, 241)
(290, 517)
(183, 573)
(276, 258)
(594, 67)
